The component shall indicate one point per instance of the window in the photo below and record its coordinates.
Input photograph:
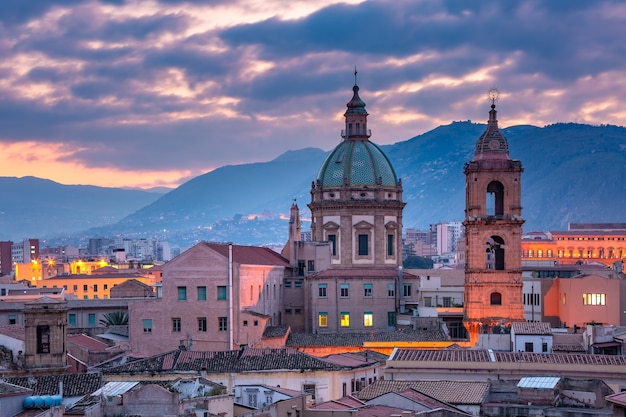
(363, 249)
(406, 290)
(333, 244)
(201, 293)
(43, 339)
(367, 290)
(13, 318)
(256, 323)
(309, 389)
(447, 301)
(287, 284)
(297, 284)
(223, 324)
(297, 311)
(147, 325)
(344, 290)
(428, 301)
(368, 319)
(321, 290)
(310, 266)
(544, 347)
(287, 311)
(85, 287)
(95, 287)
(528, 347)
(391, 290)
(495, 199)
(176, 324)
(202, 324)
(495, 253)
(92, 320)
(389, 245)
(391, 318)
(322, 319)
(221, 292)
(245, 323)
(106, 286)
(300, 268)
(182, 293)
(72, 319)
(345, 319)
(594, 299)
(496, 299)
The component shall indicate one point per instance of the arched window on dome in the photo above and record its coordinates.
(495, 299)
(495, 199)
(495, 253)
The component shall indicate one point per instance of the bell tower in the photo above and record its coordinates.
(493, 233)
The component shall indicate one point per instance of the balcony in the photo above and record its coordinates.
(359, 133)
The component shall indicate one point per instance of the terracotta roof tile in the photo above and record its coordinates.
(7, 389)
(357, 339)
(250, 255)
(74, 385)
(531, 328)
(249, 359)
(451, 392)
(14, 331)
(87, 342)
(275, 331)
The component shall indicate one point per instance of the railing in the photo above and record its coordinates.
(356, 133)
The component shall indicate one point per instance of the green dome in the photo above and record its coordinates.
(356, 163)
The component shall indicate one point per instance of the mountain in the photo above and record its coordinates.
(35, 207)
(572, 173)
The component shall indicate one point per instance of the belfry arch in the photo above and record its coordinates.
(495, 199)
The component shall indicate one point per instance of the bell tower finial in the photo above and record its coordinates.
(355, 72)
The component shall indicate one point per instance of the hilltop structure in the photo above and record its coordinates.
(493, 233)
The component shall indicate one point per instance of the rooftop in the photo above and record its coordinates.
(357, 339)
(531, 328)
(451, 392)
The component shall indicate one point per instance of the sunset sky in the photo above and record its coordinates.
(147, 93)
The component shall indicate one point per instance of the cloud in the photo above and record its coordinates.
(191, 85)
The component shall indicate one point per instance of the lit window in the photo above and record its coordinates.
(322, 319)
(221, 292)
(367, 290)
(368, 319)
(176, 324)
(202, 324)
(594, 299)
(147, 325)
(201, 293)
(345, 319)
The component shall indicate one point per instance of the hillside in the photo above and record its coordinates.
(573, 173)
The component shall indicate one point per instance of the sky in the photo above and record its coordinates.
(145, 93)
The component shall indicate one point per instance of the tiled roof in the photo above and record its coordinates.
(250, 255)
(74, 385)
(275, 331)
(386, 273)
(449, 277)
(352, 359)
(14, 331)
(564, 347)
(132, 283)
(87, 342)
(426, 400)
(347, 402)
(451, 392)
(619, 398)
(247, 360)
(7, 389)
(531, 328)
(378, 411)
(357, 339)
(504, 357)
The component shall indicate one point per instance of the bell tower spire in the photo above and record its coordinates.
(356, 116)
(493, 233)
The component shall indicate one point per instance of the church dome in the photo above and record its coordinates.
(356, 161)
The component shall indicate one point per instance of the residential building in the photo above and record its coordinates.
(214, 297)
(25, 251)
(531, 337)
(6, 260)
(493, 233)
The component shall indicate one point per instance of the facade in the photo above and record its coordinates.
(493, 233)
(6, 261)
(25, 251)
(214, 297)
(531, 337)
(45, 322)
(603, 243)
(356, 205)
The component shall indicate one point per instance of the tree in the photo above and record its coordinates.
(116, 318)
(417, 262)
